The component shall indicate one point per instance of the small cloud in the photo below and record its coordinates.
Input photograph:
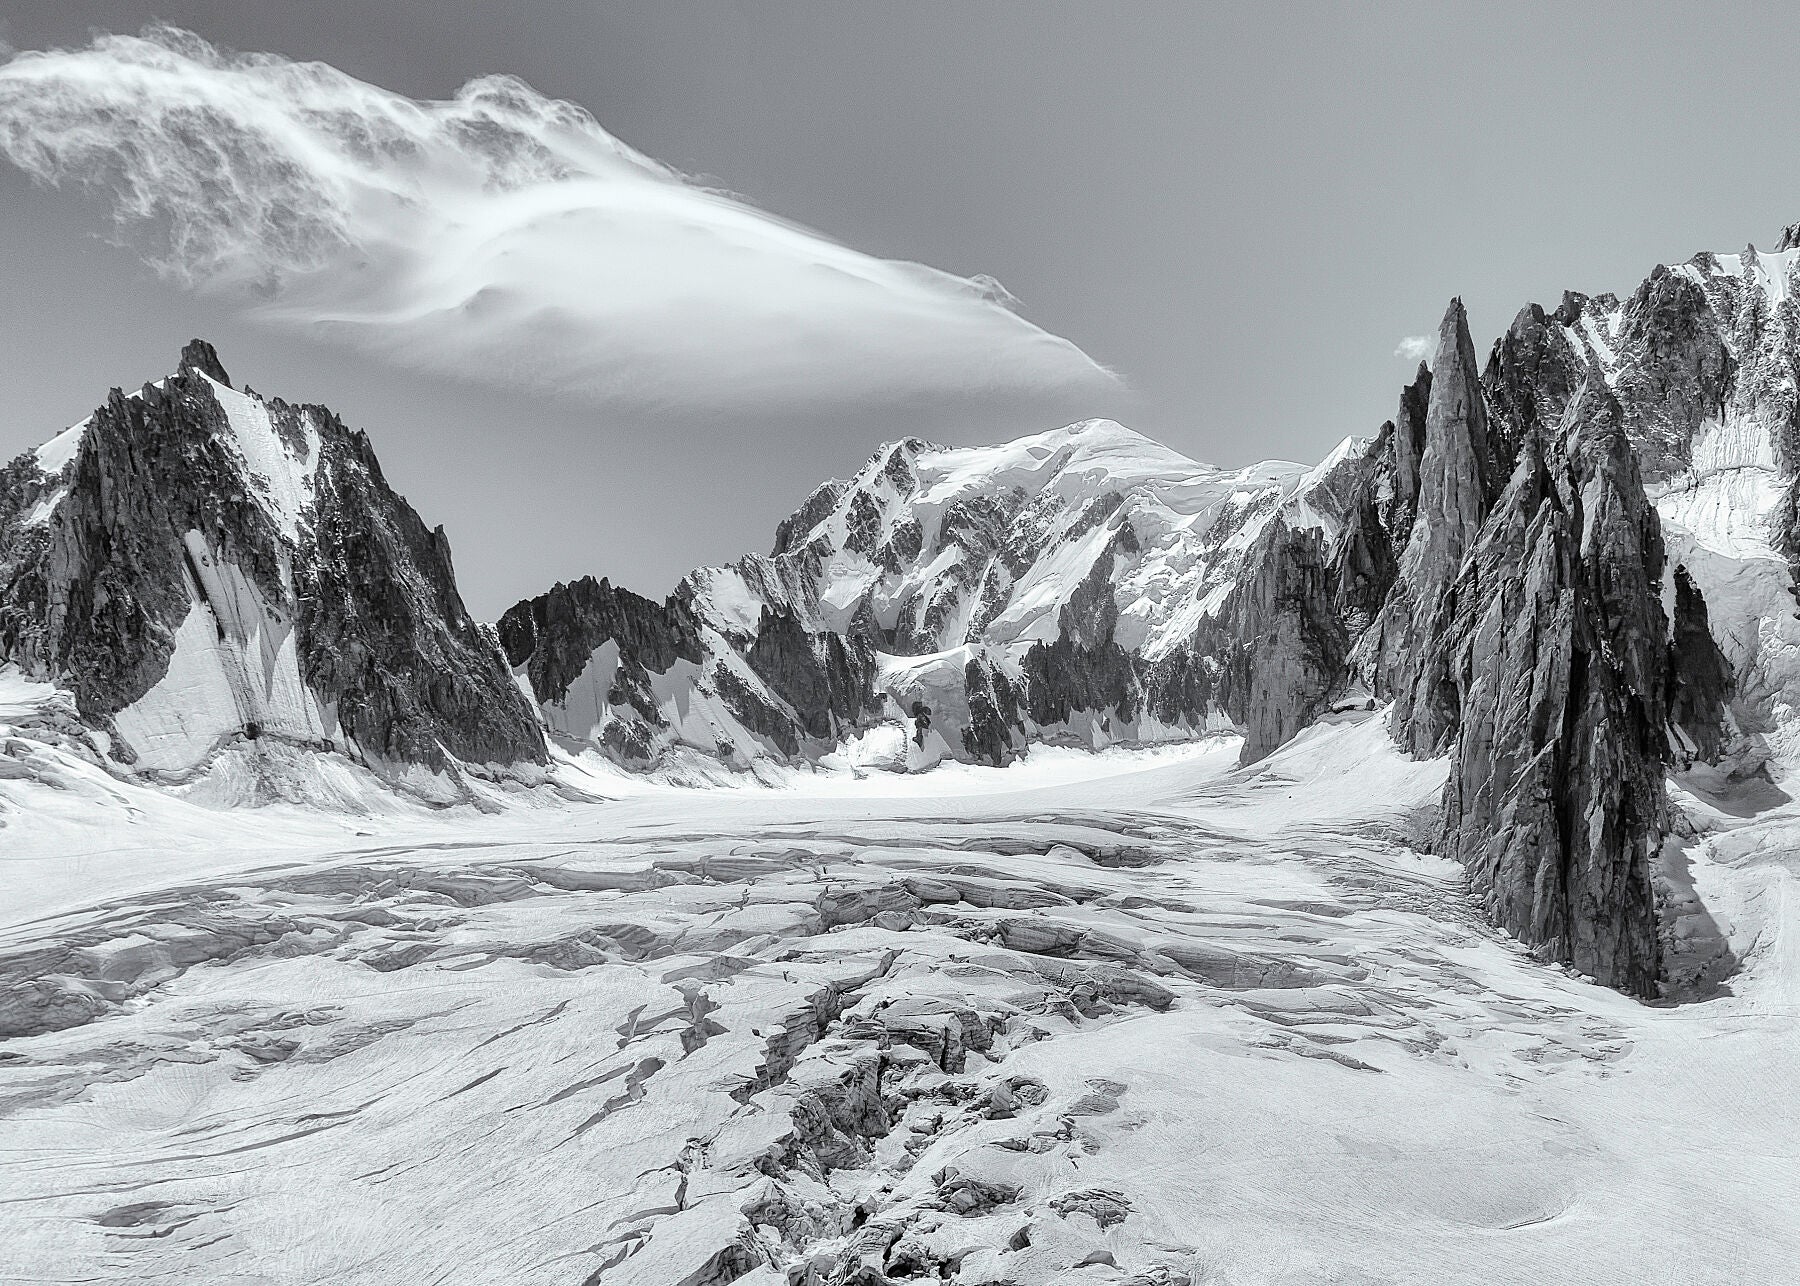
(1414, 348)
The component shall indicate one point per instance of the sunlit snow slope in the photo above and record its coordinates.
(1169, 1021)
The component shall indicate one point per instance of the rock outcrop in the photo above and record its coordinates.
(1457, 484)
(1554, 643)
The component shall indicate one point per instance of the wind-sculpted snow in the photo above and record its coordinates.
(1183, 1024)
(498, 236)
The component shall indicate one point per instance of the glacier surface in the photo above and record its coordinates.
(1129, 1017)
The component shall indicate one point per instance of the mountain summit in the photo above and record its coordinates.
(207, 570)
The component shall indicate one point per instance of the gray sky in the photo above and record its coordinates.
(1242, 208)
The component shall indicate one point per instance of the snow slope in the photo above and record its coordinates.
(1168, 1021)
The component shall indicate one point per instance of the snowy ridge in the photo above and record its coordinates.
(947, 546)
(926, 591)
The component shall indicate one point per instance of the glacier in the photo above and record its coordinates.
(1089, 1018)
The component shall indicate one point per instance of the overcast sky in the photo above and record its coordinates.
(1243, 209)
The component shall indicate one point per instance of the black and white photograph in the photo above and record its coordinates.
(868, 642)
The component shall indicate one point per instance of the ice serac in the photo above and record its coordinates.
(205, 568)
(1555, 643)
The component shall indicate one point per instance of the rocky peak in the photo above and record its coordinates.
(1457, 482)
(210, 571)
(1456, 470)
(1554, 641)
(198, 355)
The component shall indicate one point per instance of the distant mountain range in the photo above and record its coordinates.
(1569, 567)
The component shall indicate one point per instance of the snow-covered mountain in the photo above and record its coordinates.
(220, 580)
(1532, 645)
(1045, 589)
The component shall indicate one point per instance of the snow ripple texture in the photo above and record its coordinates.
(1156, 1020)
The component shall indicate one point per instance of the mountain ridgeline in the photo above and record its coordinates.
(1567, 570)
(202, 569)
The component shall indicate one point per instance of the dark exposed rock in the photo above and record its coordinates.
(157, 494)
(1456, 487)
(1460, 472)
(555, 634)
(1676, 370)
(827, 680)
(1178, 688)
(1553, 638)
(1280, 642)
(995, 714)
(384, 633)
(1084, 669)
(1365, 559)
(798, 525)
(1699, 675)
(1409, 451)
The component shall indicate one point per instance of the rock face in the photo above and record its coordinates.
(551, 642)
(1457, 484)
(1622, 608)
(204, 568)
(638, 679)
(1700, 679)
(1554, 643)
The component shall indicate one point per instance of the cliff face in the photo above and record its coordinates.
(1456, 487)
(1624, 607)
(1554, 642)
(205, 568)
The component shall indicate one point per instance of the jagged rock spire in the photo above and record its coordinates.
(1455, 482)
(198, 355)
(1557, 647)
(1409, 448)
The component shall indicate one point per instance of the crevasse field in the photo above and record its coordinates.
(1143, 1018)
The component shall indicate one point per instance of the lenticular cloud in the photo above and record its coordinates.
(499, 236)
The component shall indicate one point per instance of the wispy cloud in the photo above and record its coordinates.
(500, 236)
(1415, 348)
